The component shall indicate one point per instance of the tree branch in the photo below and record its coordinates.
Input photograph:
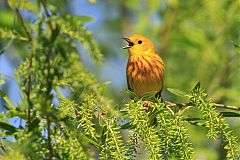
(23, 24)
(28, 89)
(49, 135)
(47, 13)
(183, 105)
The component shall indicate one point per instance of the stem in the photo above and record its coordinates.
(113, 136)
(23, 24)
(49, 135)
(237, 108)
(47, 13)
(28, 90)
(49, 80)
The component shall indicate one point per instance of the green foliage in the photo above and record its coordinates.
(7, 34)
(72, 26)
(68, 146)
(215, 124)
(111, 144)
(64, 112)
(139, 121)
(174, 135)
(23, 4)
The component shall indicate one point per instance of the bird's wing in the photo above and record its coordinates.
(129, 88)
(158, 94)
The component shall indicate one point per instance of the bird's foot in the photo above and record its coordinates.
(147, 105)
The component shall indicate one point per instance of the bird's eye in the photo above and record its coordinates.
(139, 42)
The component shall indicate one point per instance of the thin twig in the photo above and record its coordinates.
(23, 24)
(183, 105)
(49, 135)
(49, 82)
(236, 108)
(28, 92)
(28, 89)
(47, 13)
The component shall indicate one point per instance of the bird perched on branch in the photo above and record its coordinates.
(145, 68)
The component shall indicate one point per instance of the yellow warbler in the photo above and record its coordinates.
(145, 68)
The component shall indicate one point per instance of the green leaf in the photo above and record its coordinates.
(230, 114)
(55, 33)
(197, 87)
(103, 137)
(132, 95)
(177, 92)
(192, 119)
(195, 121)
(34, 124)
(126, 126)
(149, 96)
(85, 138)
(237, 46)
(7, 100)
(6, 46)
(7, 76)
(2, 94)
(1, 80)
(154, 114)
(7, 127)
(78, 19)
(76, 95)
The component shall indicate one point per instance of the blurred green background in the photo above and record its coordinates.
(197, 39)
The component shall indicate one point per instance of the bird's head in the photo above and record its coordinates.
(139, 45)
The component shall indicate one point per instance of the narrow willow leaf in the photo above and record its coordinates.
(237, 46)
(149, 96)
(7, 76)
(126, 126)
(177, 92)
(34, 124)
(197, 123)
(79, 19)
(55, 33)
(78, 93)
(197, 86)
(132, 95)
(6, 46)
(7, 100)
(103, 137)
(7, 127)
(85, 138)
(230, 114)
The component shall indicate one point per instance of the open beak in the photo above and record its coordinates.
(130, 43)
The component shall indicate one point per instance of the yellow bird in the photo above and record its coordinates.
(145, 68)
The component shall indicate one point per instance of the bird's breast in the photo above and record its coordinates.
(145, 74)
